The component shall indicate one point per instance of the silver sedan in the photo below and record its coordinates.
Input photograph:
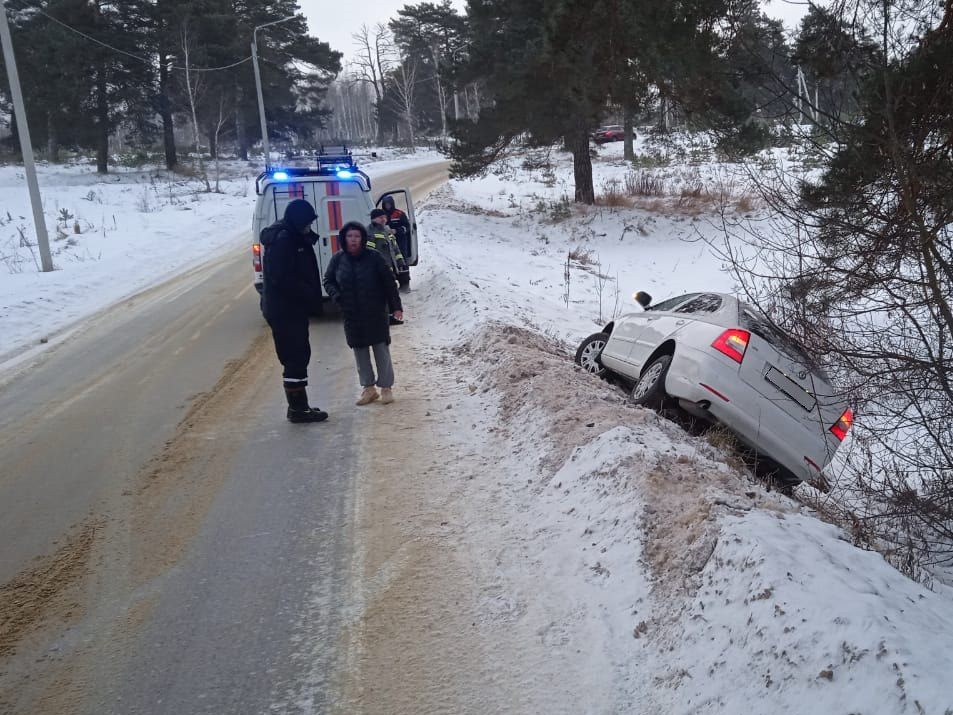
(722, 360)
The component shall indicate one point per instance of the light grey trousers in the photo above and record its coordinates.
(385, 368)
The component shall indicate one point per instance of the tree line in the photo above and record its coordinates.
(160, 69)
(542, 72)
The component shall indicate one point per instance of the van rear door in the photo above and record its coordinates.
(335, 202)
(404, 202)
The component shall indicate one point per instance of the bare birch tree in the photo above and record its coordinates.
(376, 57)
(405, 87)
(192, 82)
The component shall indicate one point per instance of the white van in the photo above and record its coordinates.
(338, 190)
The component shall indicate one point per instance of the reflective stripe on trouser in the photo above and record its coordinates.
(293, 348)
(365, 371)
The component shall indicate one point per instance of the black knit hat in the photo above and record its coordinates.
(378, 212)
(299, 213)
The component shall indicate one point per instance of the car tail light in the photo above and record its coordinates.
(733, 343)
(843, 425)
(256, 256)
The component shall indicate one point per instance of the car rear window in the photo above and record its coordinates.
(671, 303)
(705, 303)
(780, 341)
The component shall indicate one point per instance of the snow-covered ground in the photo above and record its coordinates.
(655, 574)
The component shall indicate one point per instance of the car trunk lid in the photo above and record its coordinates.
(782, 371)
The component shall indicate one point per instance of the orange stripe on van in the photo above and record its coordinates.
(334, 243)
(335, 219)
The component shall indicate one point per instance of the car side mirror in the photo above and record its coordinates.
(643, 299)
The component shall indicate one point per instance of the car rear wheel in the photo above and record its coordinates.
(587, 355)
(649, 390)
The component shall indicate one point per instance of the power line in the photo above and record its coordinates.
(129, 54)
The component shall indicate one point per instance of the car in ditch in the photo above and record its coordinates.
(720, 359)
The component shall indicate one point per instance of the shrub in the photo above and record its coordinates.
(643, 184)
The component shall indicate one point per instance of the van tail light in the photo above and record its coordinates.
(256, 256)
(733, 343)
(843, 425)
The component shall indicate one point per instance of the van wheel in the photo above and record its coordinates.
(649, 390)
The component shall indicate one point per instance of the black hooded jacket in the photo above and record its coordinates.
(291, 282)
(365, 290)
(396, 218)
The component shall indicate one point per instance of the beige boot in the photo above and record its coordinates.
(387, 395)
(368, 395)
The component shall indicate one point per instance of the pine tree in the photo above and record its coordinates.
(551, 66)
(548, 75)
(432, 36)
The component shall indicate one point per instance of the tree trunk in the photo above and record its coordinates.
(578, 144)
(441, 94)
(102, 124)
(476, 102)
(52, 139)
(240, 137)
(410, 133)
(165, 112)
(628, 150)
(380, 122)
(212, 133)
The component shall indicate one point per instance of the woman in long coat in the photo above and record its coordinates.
(363, 287)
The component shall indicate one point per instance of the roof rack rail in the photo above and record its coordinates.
(338, 156)
(334, 161)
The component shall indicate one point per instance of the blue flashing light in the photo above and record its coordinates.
(345, 174)
(280, 176)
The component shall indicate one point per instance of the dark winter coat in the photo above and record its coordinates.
(364, 289)
(291, 281)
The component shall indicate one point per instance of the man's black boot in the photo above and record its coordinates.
(298, 409)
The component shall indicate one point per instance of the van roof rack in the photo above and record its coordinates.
(337, 156)
(334, 160)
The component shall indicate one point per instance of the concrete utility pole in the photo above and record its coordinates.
(261, 99)
(26, 146)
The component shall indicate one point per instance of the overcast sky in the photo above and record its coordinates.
(334, 21)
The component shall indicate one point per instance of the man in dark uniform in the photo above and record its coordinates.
(291, 291)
